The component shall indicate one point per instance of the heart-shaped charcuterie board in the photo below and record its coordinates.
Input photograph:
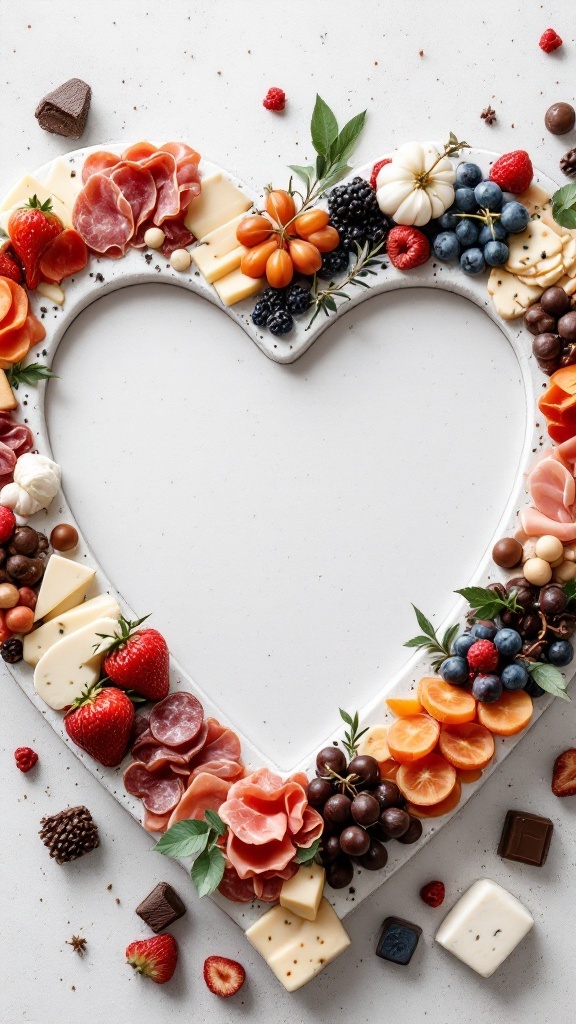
(104, 276)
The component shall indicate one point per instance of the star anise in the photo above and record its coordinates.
(488, 115)
(78, 943)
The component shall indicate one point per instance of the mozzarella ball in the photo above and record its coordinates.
(529, 549)
(549, 548)
(537, 571)
(180, 260)
(154, 238)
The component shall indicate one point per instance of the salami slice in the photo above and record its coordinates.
(177, 719)
(141, 725)
(163, 796)
(239, 890)
(155, 822)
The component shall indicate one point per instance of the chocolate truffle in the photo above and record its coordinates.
(161, 907)
(559, 118)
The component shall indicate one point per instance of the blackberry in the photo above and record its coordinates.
(297, 299)
(355, 213)
(271, 300)
(334, 263)
(280, 322)
(12, 650)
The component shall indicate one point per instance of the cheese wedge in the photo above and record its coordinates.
(64, 585)
(7, 398)
(42, 639)
(64, 182)
(303, 892)
(70, 665)
(536, 243)
(21, 193)
(237, 286)
(511, 296)
(219, 201)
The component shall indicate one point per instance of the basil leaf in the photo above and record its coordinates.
(323, 127)
(570, 590)
(549, 678)
(215, 822)
(334, 174)
(417, 641)
(304, 173)
(305, 855)
(28, 375)
(424, 623)
(563, 203)
(184, 839)
(346, 141)
(207, 871)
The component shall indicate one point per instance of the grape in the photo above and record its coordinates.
(366, 768)
(395, 822)
(331, 757)
(319, 791)
(354, 841)
(330, 849)
(365, 809)
(413, 833)
(340, 873)
(337, 808)
(388, 794)
(375, 857)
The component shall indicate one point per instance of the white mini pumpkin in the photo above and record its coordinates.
(417, 186)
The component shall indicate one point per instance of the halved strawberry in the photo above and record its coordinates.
(564, 774)
(66, 254)
(156, 957)
(223, 977)
(31, 228)
(9, 265)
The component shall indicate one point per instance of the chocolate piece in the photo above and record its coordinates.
(568, 163)
(161, 907)
(559, 118)
(398, 940)
(525, 837)
(64, 110)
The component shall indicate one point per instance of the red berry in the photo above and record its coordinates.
(564, 774)
(275, 99)
(25, 758)
(9, 267)
(483, 656)
(376, 171)
(433, 893)
(223, 977)
(156, 957)
(549, 41)
(407, 248)
(138, 659)
(100, 722)
(7, 523)
(513, 171)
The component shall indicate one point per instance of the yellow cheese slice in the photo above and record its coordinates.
(536, 243)
(303, 892)
(237, 286)
(65, 182)
(21, 193)
(63, 582)
(7, 399)
(544, 280)
(511, 297)
(70, 665)
(219, 201)
(41, 639)
(542, 267)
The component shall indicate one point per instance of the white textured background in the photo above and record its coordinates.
(384, 504)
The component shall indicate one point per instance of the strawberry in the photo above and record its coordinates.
(7, 523)
(138, 659)
(513, 171)
(223, 977)
(66, 254)
(549, 41)
(376, 171)
(156, 957)
(433, 893)
(9, 266)
(31, 228)
(407, 247)
(100, 721)
(564, 774)
(25, 758)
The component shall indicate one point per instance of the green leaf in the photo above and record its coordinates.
(320, 166)
(570, 590)
(424, 623)
(345, 717)
(485, 603)
(564, 206)
(450, 636)
(549, 678)
(418, 641)
(305, 854)
(215, 822)
(330, 304)
(334, 174)
(28, 375)
(304, 173)
(207, 871)
(323, 127)
(184, 839)
(345, 143)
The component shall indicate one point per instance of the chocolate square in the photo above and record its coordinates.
(161, 907)
(64, 110)
(525, 838)
(398, 940)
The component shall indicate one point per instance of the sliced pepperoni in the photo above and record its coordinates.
(239, 890)
(141, 725)
(268, 889)
(137, 779)
(163, 796)
(177, 236)
(177, 719)
(103, 216)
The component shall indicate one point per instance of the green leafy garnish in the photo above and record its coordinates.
(549, 678)
(28, 375)
(332, 147)
(352, 736)
(564, 206)
(486, 604)
(305, 854)
(570, 590)
(127, 628)
(198, 839)
(35, 204)
(367, 262)
(430, 641)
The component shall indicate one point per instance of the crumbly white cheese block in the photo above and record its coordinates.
(42, 639)
(303, 892)
(21, 193)
(536, 243)
(511, 296)
(297, 950)
(544, 279)
(63, 581)
(219, 252)
(65, 182)
(484, 927)
(219, 201)
(71, 664)
(237, 286)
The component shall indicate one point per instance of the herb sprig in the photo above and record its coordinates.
(307, 853)
(430, 641)
(549, 678)
(564, 206)
(198, 839)
(487, 604)
(352, 736)
(28, 375)
(367, 262)
(333, 147)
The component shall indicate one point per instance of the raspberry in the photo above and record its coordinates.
(7, 523)
(376, 171)
(483, 656)
(275, 99)
(549, 41)
(9, 267)
(513, 171)
(407, 248)
(433, 893)
(25, 758)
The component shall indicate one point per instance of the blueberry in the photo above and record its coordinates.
(446, 246)
(508, 642)
(560, 653)
(463, 644)
(467, 233)
(468, 175)
(514, 676)
(472, 261)
(495, 254)
(491, 233)
(448, 220)
(487, 689)
(488, 195)
(483, 631)
(514, 217)
(454, 670)
(533, 689)
(465, 200)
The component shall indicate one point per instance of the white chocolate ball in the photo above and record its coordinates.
(558, 561)
(570, 553)
(529, 548)
(537, 571)
(181, 259)
(549, 548)
(565, 572)
(154, 238)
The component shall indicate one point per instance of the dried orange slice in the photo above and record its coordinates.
(467, 778)
(437, 810)
(411, 738)
(428, 781)
(507, 715)
(389, 769)
(467, 746)
(404, 706)
(446, 703)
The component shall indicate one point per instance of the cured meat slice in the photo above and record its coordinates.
(223, 769)
(162, 167)
(177, 719)
(206, 792)
(268, 889)
(251, 860)
(139, 151)
(141, 725)
(159, 794)
(224, 747)
(535, 524)
(138, 188)
(7, 461)
(102, 160)
(239, 890)
(15, 439)
(177, 236)
(187, 174)
(553, 490)
(103, 216)
(155, 822)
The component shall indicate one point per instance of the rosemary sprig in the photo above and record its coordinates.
(28, 375)
(367, 262)
(430, 641)
(351, 736)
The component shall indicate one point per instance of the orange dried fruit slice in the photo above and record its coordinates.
(411, 738)
(428, 781)
(446, 703)
(467, 778)
(389, 769)
(437, 810)
(508, 715)
(468, 746)
(403, 706)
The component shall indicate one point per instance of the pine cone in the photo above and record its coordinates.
(69, 834)
(568, 163)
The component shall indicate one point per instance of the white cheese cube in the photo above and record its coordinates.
(40, 640)
(70, 665)
(22, 192)
(64, 581)
(484, 927)
(214, 260)
(302, 893)
(219, 201)
(237, 286)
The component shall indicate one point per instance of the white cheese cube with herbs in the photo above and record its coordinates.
(484, 927)
(72, 664)
(40, 640)
(303, 892)
(23, 191)
(237, 286)
(219, 201)
(63, 581)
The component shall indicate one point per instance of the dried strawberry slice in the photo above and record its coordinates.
(65, 255)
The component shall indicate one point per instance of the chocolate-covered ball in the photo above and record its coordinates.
(567, 326)
(555, 301)
(395, 822)
(64, 537)
(42, 543)
(568, 357)
(24, 541)
(507, 553)
(538, 321)
(25, 571)
(559, 118)
(547, 346)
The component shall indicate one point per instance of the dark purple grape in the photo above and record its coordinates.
(365, 809)
(354, 841)
(330, 849)
(395, 822)
(366, 768)
(340, 873)
(319, 791)
(331, 757)
(413, 832)
(337, 808)
(388, 794)
(375, 857)
(553, 600)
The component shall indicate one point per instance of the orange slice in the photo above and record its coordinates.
(467, 778)
(446, 703)
(437, 810)
(467, 746)
(410, 739)
(507, 715)
(428, 781)
(404, 706)
(389, 769)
